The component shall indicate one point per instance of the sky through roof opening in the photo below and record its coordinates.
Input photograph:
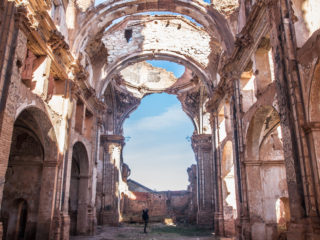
(157, 147)
(173, 67)
(97, 2)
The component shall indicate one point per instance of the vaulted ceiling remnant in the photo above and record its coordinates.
(118, 34)
(142, 78)
(160, 34)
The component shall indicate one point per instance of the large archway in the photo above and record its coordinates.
(28, 177)
(265, 172)
(79, 193)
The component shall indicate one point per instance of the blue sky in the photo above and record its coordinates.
(157, 151)
(177, 69)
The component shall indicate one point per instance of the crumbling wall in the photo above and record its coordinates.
(171, 205)
(158, 34)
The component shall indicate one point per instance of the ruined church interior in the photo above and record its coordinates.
(73, 71)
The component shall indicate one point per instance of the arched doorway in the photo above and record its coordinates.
(28, 178)
(78, 200)
(265, 171)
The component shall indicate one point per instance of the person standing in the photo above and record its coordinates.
(145, 217)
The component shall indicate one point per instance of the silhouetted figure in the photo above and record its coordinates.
(145, 217)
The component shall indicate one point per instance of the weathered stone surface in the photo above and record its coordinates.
(71, 73)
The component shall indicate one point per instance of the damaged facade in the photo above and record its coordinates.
(71, 72)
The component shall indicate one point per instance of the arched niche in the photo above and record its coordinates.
(28, 177)
(265, 171)
(312, 128)
(314, 98)
(228, 189)
(79, 193)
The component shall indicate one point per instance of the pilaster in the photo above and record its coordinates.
(110, 199)
(202, 146)
(302, 184)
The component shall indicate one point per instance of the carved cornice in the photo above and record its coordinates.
(21, 18)
(56, 41)
(46, 40)
(81, 87)
(263, 163)
(43, 36)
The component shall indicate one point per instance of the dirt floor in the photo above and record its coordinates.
(155, 232)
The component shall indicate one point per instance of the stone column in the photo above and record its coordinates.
(202, 146)
(65, 218)
(243, 227)
(110, 196)
(47, 198)
(218, 208)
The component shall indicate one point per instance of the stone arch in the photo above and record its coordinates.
(139, 57)
(265, 171)
(47, 134)
(228, 189)
(31, 173)
(256, 128)
(209, 17)
(312, 128)
(119, 126)
(79, 193)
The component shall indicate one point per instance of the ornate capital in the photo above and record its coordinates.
(311, 126)
(106, 139)
(201, 141)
